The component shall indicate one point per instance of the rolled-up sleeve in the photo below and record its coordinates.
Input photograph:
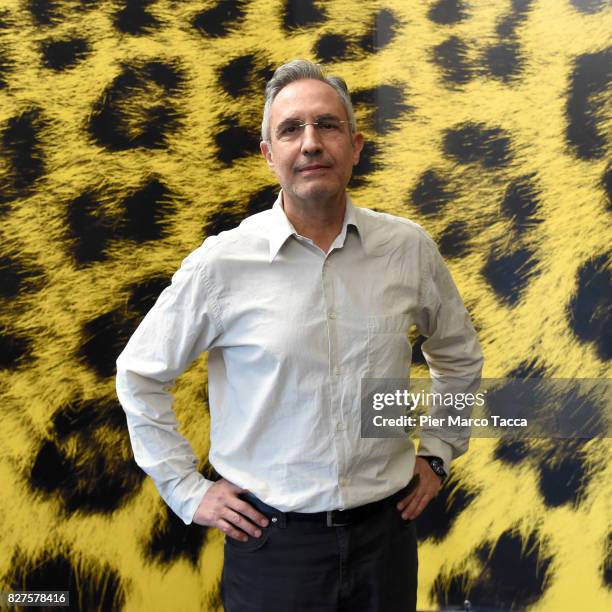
(184, 322)
(452, 352)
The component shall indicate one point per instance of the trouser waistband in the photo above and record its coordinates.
(331, 518)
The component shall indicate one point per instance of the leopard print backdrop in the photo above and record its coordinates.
(129, 132)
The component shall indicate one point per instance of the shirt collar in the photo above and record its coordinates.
(281, 228)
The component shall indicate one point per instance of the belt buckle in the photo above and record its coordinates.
(330, 519)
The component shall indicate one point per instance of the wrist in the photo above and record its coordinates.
(437, 466)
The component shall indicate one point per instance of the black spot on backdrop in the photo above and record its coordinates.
(172, 540)
(528, 369)
(147, 212)
(235, 76)
(474, 142)
(13, 349)
(607, 184)
(225, 219)
(49, 468)
(437, 519)
(62, 54)
(606, 566)
(221, 19)
(523, 399)
(88, 228)
(235, 141)
(431, 193)
(11, 277)
(562, 480)
(590, 80)
(451, 56)
(367, 163)
(580, 412)
(89, 466)
(301, 14)
(16, 277)
(266, 73)
(503, 60)
(417, 350)
(454, 239)
(263, 199)
(446, 12)
(513, 573)
(44, 12)
(512, 452)
(507, 27)
(105, 337)
(521, 203)
(23, 152)
(590, 309)
(134, 18)
(86, 487)
(331, 47)
(381, 32)
(144, 294)
(589, 6)
(509, 273)
(386, 103)
(78, 416)
(136, 109)
(447, 590)
(92, 585)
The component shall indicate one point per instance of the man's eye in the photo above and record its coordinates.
(329, 125)
(292, 128)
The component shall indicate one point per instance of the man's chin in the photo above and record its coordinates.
(317, 191)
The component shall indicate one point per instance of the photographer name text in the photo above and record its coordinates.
(426, 420)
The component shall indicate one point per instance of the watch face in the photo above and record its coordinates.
(438, 467)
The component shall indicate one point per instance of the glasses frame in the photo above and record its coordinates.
(302, 126)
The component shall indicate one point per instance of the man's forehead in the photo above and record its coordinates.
(307, 96)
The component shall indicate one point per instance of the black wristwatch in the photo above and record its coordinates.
(437, 465)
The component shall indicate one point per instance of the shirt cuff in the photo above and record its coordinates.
(193, 490)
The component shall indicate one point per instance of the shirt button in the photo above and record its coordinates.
(337, 370)
(332, 314)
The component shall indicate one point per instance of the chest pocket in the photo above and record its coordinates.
(389, 350)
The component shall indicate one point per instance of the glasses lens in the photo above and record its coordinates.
(290, 130)
(329, 126)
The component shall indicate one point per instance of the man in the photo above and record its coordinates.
(296, 306)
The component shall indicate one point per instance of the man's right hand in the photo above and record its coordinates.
(222, 508)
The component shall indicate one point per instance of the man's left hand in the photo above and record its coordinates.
(428, 485)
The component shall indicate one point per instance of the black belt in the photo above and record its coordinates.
(331, 518)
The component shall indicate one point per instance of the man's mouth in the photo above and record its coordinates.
(312, 168)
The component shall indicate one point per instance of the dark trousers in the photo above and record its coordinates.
(368, 566)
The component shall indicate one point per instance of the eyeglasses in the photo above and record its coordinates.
(293, 130)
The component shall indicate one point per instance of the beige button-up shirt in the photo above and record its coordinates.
(291, 332)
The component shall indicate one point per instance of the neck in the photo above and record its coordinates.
(319, 220)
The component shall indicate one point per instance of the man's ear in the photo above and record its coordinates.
(266, 151)
(357, 146)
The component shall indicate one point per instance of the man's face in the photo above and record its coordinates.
(314, 165)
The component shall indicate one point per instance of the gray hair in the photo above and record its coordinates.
(297, 70)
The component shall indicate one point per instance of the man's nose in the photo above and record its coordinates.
(311, 140)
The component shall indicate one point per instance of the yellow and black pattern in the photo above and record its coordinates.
(129, 132)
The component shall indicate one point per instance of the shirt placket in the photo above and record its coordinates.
(335, 373)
